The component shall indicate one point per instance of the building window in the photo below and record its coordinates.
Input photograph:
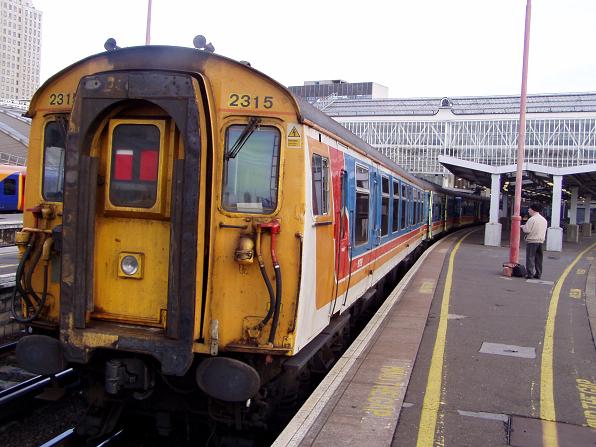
(320, 185)
(362, 205)
(384, 206)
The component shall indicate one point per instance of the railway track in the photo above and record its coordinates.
(30, 387)
(70, 438)
(8, 347)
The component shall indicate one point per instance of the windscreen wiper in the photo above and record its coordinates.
(243, 138)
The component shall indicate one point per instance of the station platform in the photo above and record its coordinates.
(459, 355)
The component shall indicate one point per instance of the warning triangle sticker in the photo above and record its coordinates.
(294, 133)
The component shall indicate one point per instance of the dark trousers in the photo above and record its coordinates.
(534, 259)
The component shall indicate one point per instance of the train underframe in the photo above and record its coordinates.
(121, 383)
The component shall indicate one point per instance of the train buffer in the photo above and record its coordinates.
(459, 355)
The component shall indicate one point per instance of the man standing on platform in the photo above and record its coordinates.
(535, 228)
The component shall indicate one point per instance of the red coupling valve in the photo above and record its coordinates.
(274, 226)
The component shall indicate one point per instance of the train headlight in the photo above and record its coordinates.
(130, 265)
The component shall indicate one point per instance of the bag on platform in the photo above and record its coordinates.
(510, 269)
(519, 271)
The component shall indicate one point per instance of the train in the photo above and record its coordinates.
(198, 239)
(12, 188)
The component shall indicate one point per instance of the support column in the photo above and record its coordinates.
(572, 230)
(492, 230)
(554, 234)
(505, 217)
(587, 225)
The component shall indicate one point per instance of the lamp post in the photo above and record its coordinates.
(148, 33)
(516, 219)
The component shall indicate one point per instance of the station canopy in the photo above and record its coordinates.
(537, 180)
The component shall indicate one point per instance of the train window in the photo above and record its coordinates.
(384, 206)
(437, 208)
(416, 207)
(251, 169)
(320, 185)
(53, 162)
(419, 214)
(362, 205)
(134, 165)
(404, 207)
(411, 201)
(10, 187)
(395, 221)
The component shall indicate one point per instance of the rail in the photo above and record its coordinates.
(28, 387)
(69, 437)
(7, 280)
(8, 347)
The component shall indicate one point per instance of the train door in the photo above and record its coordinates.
(376, 209)
(364, 217)
(380, 212)
(458, 212)
(135, 202)
(428, 219)
(322, 208)
(447, 213)
(132, 222)
(145, 225)
(384, 208)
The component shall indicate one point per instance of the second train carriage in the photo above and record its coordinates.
(211, 228)
(12, 188)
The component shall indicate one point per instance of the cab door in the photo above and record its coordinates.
(322, 208)
(132, 222)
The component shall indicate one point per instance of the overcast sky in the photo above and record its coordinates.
(414, 47)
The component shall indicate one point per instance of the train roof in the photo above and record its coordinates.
(191, 60)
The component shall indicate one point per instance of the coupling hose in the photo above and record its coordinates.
(265, 320)
(23, 291)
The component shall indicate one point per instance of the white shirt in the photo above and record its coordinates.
(535, 228)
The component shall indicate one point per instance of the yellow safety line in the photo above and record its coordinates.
(432, 395)
(5, 266)
(547, 395)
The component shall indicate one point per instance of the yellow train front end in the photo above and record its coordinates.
(162, 238)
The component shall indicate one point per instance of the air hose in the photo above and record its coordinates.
(274, 300)
(277, 269)
(23, 291)
(265, 320)
(275, 321)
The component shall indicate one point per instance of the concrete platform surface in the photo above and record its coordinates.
(527, 388)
